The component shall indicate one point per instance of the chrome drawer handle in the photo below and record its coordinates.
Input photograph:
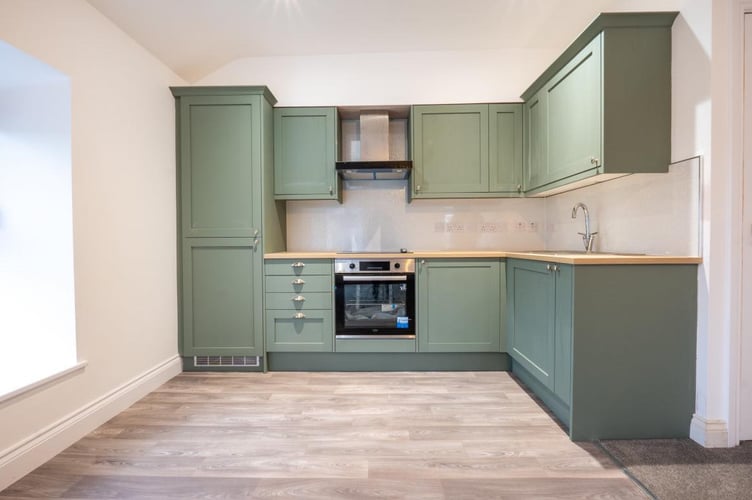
(297, 265)
(298, 298)
(298, 282)
(299, 316)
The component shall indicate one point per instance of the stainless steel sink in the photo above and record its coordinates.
(578, 252)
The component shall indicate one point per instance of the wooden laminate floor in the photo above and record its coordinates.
(447, 435)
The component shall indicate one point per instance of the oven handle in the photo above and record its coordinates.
(356, 277)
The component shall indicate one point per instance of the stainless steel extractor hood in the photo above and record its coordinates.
(374, 161)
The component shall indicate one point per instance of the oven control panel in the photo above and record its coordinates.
(354, 266)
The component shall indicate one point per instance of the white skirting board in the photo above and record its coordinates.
(19, 460)
(710, 433)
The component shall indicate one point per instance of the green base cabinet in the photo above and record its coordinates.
(603, 108)
(226, 217)
(466, 150)
(299, 305)
(610, 349)
(304, 154)
(459, 308)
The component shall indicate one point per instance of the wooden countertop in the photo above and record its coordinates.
(562, 257)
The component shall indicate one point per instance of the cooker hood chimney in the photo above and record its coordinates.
(375, 162)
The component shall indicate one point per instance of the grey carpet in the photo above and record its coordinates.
(680, 469)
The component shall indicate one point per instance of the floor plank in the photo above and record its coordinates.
(425, 435)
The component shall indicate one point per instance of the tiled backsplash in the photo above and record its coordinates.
(644, 213)
(375, 216)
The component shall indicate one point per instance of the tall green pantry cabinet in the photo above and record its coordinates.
(227, 219)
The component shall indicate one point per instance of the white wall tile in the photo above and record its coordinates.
(641, 213)
(375, 216)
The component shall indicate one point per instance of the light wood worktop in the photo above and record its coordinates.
(562, 257)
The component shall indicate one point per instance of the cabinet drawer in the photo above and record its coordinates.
(297, 267)
(297, 284)
(311, 333)
(313, 300)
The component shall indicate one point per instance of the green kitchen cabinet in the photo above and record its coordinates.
(305, 154)
(299, 305)
(450, 149)
(505, 148)
(466, 150)
(609, 348)
(459, 305)
(536, 145)
(221, 297)
(532, 313)
(227, 217)
(603, 108)
(219, 166)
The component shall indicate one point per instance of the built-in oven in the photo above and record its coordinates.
(374, 298)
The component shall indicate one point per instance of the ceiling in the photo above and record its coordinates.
(196, 37)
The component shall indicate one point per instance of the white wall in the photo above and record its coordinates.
(123, 176)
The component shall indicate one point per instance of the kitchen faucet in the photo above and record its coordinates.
(587, 236)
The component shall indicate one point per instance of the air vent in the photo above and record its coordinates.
(226, 361)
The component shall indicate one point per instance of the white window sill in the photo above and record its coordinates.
(39, 384)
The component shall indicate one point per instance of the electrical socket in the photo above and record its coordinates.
(489, 227)
(455, 227)
(532, 227)
(520, 226)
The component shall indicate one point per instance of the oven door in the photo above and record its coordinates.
(374, 305)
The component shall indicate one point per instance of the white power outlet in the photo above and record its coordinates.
(455, 227)
(520, 226)
(532, 227)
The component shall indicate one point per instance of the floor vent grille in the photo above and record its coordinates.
(226, 361)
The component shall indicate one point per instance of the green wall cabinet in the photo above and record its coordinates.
(603, 108)
(466, 150)
(299, 304)
(227, 217)
(305, 154)
(610, 349)
(459, 308)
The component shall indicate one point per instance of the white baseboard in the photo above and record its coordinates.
(710, 433)
(24, 457)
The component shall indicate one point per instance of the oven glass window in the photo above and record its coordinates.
(375, 305)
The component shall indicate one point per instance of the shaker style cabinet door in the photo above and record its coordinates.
(574, 99)
(304, 154)
(505, 148)
(458, 305)
(220, 171)
(532, 317)
(221, 303)
(450, 150)
(536, 142)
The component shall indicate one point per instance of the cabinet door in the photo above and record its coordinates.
(222, 310)
(563, 333)
(450, 150)
(536, 142)
(505, 148)
(458, 305)
(532, 310)
(220, 166)
(304, 153)
(574, 115)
